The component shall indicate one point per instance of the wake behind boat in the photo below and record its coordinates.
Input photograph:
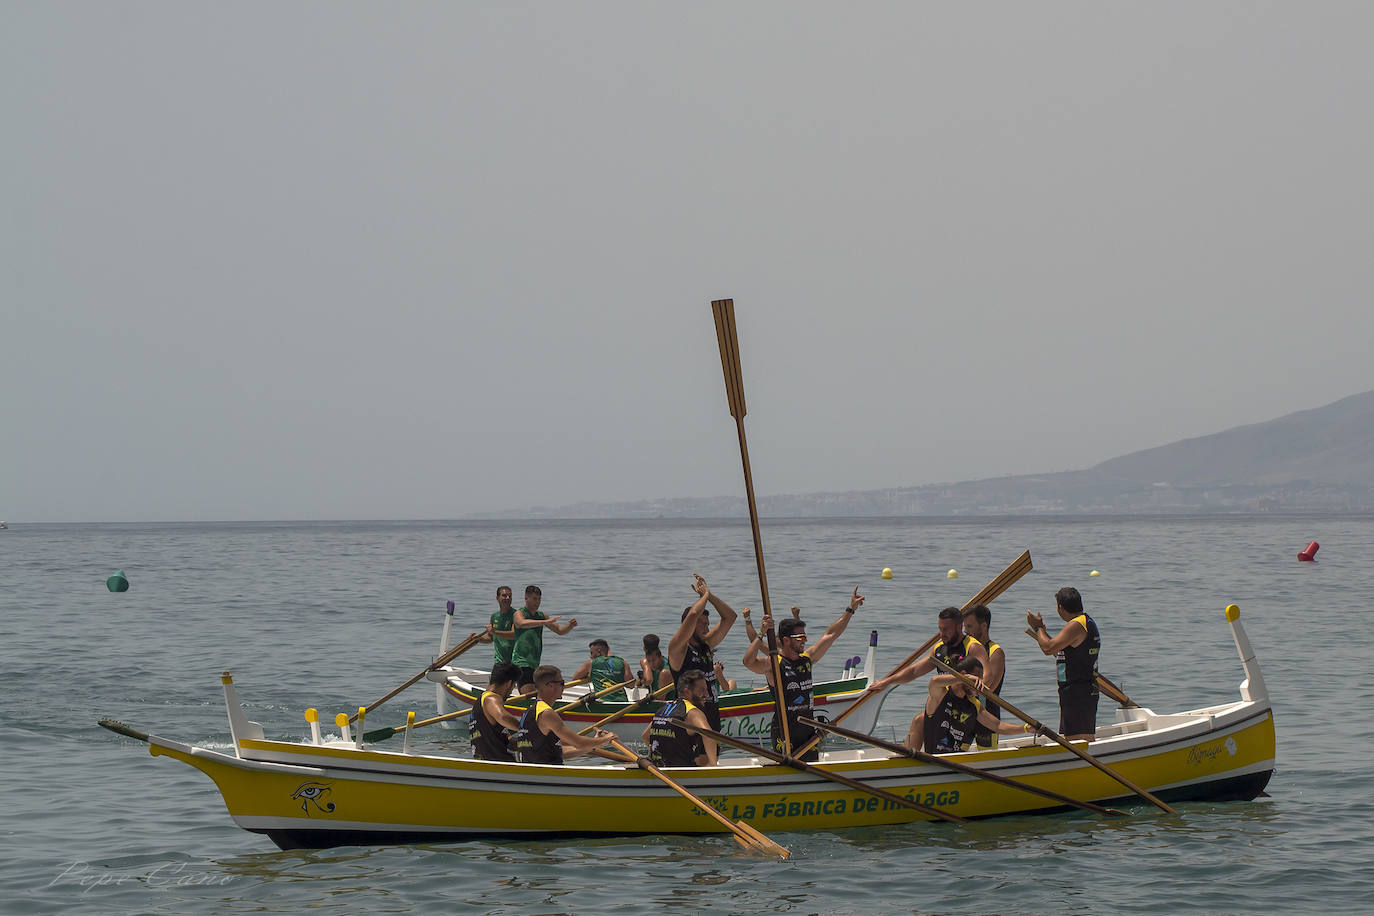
(320, 794)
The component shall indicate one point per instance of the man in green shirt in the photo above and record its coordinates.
(501, 631)
(604, 669)
(530, 623)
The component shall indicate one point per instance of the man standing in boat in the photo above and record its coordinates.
(670, 744)
(977, 622)
(529, 641)
(489, 719)
(952, 647)
(542, 735)
(692, 646)
(795, 664)
(500, 631)
(604, 669)
(1075, 648)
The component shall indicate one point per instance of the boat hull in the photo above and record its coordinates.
(305, 795)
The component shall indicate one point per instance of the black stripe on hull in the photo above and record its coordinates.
(1235, 788)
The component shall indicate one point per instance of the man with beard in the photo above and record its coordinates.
(952, 647)
(795, 665)
(671, 745)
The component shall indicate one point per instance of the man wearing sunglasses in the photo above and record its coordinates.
(795, 662)
(543, 736)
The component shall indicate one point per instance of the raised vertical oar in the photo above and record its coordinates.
(745, 835)
(1056, 737)
(471, 640)
(1005, 580)
(724, 311)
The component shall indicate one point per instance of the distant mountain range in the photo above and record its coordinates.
(1312, 460)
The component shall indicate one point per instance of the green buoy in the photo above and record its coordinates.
(118, 582)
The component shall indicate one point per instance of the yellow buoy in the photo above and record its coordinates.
(1094, 573)
(952, 574)
(887, 573)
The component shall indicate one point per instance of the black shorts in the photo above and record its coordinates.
(1078, 709)
(526, 677)
(799, 735)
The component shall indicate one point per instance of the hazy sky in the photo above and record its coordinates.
(335, 260)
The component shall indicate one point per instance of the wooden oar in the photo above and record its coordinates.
(1104, 685)
(441, 661)
(657, 694)
(745, 835)
(724, 311)
(728, 339)
(1057, 738)
(814, 770)
(588, 697)
(775, 659)
(938, 761)
(1005, 580)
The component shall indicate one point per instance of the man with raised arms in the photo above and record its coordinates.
(542, 735)
(977, 621)
(489, 719)
(795, 665)
(1075, 648)
(671, 745)
(604, 669)
(952, 647)
(691, 647)
(530, 623)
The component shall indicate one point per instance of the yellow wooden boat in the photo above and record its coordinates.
(318, 793)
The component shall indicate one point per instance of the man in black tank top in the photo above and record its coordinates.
(670, 744)
(953, 714)
(952, 647)
(977, 622)
(543, 736)
(1076, 648)
(489, 719)
(693, 645)
(795, 663)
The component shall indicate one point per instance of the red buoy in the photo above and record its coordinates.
(1309, 553)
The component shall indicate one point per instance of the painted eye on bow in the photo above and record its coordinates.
(308, 793)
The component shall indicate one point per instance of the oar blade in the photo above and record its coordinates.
(760, 842)
(724, 311)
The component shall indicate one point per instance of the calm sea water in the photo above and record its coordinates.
(335, 614)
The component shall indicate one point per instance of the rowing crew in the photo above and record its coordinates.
(955, 718)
